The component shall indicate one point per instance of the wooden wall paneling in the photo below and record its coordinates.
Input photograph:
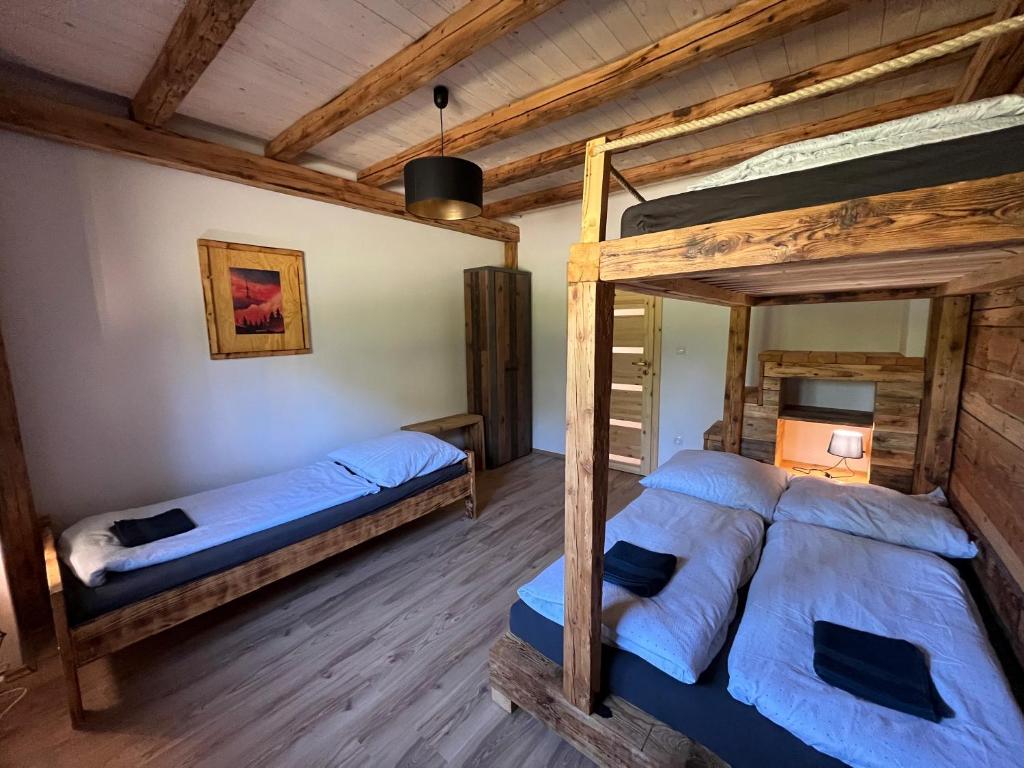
(472, 27)
(736, 379)
(717, 35)
(19, 530)
(948, 324)
(202, 28)
(86, 128)
(986, 483)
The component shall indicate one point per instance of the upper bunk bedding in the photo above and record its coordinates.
(961, 143)
(681, 628)
(809, 573)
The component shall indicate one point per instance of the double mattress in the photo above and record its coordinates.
(121, 588)
(921, 151)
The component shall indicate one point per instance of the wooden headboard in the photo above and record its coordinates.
(987, 480)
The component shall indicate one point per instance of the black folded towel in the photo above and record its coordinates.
(134, 533)
(883, 670)
(638, 570)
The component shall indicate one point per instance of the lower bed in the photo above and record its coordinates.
(124, 588)
(704, 710)
(809, 573)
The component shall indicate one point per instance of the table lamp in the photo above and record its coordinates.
(846, 444)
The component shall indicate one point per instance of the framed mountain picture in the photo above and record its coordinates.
(255, 300)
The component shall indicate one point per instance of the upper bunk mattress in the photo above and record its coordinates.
(808, 573)
(124, 588)
(680, 629)
(842, 167)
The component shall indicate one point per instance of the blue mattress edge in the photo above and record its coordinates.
(121, 589)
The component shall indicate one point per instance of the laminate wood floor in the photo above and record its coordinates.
(377, 657)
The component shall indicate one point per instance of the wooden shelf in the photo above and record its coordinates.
(818, 470)
(838, 416)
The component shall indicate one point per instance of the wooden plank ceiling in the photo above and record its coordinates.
(266, 68)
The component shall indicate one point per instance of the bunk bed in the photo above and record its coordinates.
(858, 229)
(96, 612)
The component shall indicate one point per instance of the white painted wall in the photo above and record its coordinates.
(102, 311)
(692, 382)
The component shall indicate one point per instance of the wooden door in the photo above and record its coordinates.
(636, 368)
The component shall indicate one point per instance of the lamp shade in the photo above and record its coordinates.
(447, 188)
(846, 443)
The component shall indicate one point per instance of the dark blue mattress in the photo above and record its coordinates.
(965, 159)
(703, 711)
(121, 589)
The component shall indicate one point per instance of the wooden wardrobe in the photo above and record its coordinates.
(499, 378)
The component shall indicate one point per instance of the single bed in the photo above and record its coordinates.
(961, 143)
(132, 600)
(681, 629)
(810, 573)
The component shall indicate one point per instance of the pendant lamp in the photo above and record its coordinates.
(439, 187)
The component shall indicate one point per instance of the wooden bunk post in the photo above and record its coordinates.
(735, 378)
(948, 325)
(588, 395)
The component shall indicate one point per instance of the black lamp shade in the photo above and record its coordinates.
(446, 188)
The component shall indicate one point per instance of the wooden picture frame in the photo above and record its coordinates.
(276, 319)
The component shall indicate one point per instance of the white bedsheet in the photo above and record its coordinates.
(680, 629)
(944, 124)
(220, 515)
(809, 573)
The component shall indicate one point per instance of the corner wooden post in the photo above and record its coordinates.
(735, 378)
(19, 530)
(588, 396)
(948, 326)
(512, 255)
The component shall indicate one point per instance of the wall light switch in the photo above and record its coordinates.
(681, 351)
(678, 440)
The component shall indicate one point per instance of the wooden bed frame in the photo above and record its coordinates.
(120, 628)
(943, 243)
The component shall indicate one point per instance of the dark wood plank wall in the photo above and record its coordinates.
(987, 481)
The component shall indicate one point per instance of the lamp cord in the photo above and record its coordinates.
(440, 111)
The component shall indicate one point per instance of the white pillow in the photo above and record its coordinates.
(874, 512)
(722, 478)
(394, 459)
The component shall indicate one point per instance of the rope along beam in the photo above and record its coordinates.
(937, 51)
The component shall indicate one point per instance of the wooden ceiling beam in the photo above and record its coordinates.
(202, 28)
(572, 154)
(1006, 273)
(691, 290)
(722, 33)
(966, 217)
(475, 25)
(714, 158)
(829, 297)
(997, 66)
(85, 128)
